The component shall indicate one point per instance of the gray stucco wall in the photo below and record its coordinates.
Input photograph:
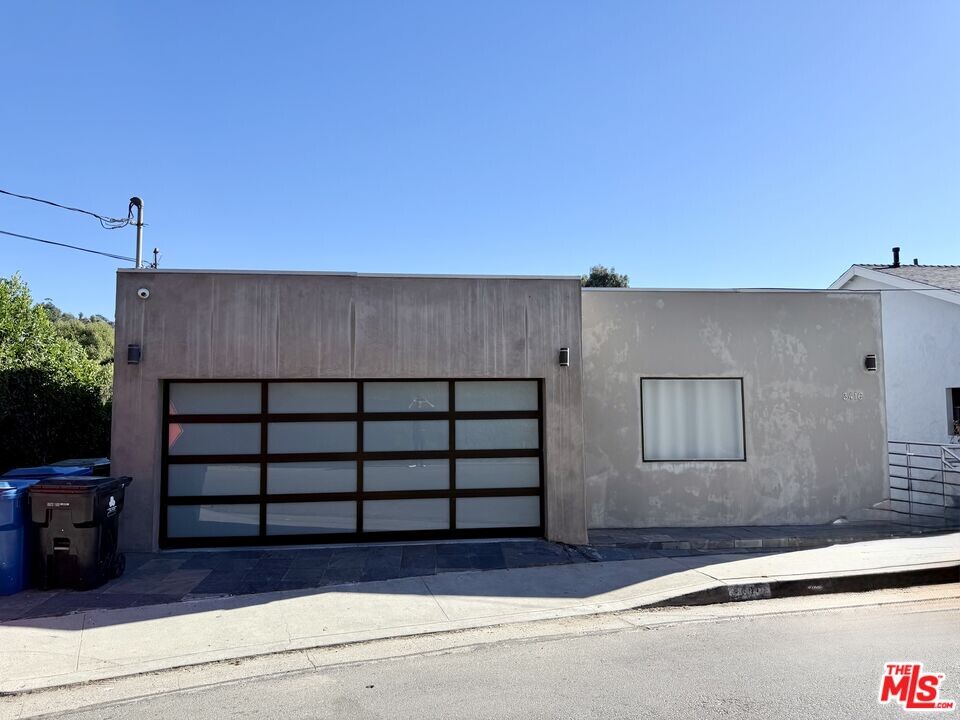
(292, 325)
(811, 455)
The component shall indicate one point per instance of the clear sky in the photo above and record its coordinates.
(701, 144)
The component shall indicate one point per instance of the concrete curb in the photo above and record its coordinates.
(816, 586)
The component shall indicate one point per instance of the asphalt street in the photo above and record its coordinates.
(824, 664)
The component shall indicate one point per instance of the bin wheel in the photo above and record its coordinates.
(119, 565)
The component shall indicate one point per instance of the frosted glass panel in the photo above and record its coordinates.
(498, 512)
(692, 419)
(313, 397)
(214, 398)
(214, 438)
(312, 437)
(498, 472)
(405, 396)
(311, 517)
(405, 435)
(406, 515)
(311, 477)
(218, 479)
(213, 520)
(497, 434)
(406, 475)
(499, 395)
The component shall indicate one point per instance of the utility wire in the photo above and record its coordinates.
(72, 247)
(108, 223)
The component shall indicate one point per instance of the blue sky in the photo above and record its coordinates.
(701, 144)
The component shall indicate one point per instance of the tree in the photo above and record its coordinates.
(601, 276)
(54, 399)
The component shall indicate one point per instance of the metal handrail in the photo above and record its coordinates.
(942, 475)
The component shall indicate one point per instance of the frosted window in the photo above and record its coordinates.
(214, 398)
(498, 512)
(383, 436)
(406, 515)
(497, 434)
(311, 517)
(313, 397)
(214, 438)
(498, 395)
(498, 472)
(311, 477)
(213, 520)
(406, 475)
(312, 437)
(692, 419)
(405, 396)
(217, 479)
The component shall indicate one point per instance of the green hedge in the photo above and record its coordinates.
(54, 399)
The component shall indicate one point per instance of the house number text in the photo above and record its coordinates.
(853, 395)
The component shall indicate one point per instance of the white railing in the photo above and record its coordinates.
(925, 482)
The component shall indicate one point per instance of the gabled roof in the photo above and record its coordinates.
(939, 281)
(946, 277)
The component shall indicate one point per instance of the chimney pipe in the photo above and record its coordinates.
(896, 257)
(916, 262)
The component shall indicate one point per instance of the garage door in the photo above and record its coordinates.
(250, 463)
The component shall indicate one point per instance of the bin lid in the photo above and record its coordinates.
(82, 462)
(12, 488)
(85, 484)
(47, 470)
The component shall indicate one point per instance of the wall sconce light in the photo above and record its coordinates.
(133, 354)
(870, 363)
(564, 357)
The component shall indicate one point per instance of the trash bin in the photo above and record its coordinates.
(42, 471)
(16, 536)
(96, 466)
(77, 519)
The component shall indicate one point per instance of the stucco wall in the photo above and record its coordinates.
(292, 325)
(921, 342)
(811, 456)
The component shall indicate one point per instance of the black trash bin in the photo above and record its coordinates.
(77, 520)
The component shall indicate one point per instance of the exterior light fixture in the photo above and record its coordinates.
(133, 354)
(564, 357)
(870, 363)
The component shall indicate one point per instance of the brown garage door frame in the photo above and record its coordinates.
(264, 418)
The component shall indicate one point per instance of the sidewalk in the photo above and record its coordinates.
(105, 643)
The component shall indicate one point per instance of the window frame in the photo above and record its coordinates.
(743, 419)
(265, 458)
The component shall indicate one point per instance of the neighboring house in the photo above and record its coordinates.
(267, 407)
(921, 346)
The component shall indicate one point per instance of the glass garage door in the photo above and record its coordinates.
(249, 463)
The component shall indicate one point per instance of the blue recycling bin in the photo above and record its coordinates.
(17, 538)
(43, 471)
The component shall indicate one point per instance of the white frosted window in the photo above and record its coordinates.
(492, 512)
(406, 475)
(213, 520)
(497, 395)
(311, 517)
(405, 396)
(214, 398)
(398, 435)
(382, 515)
(214, 438)
(216, 479)
(497, 435)
(498, 472)
(698, 419)
(311, 477)
(313, 397)
(312, 437)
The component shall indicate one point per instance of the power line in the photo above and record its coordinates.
(72, 247)
(108, 223)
